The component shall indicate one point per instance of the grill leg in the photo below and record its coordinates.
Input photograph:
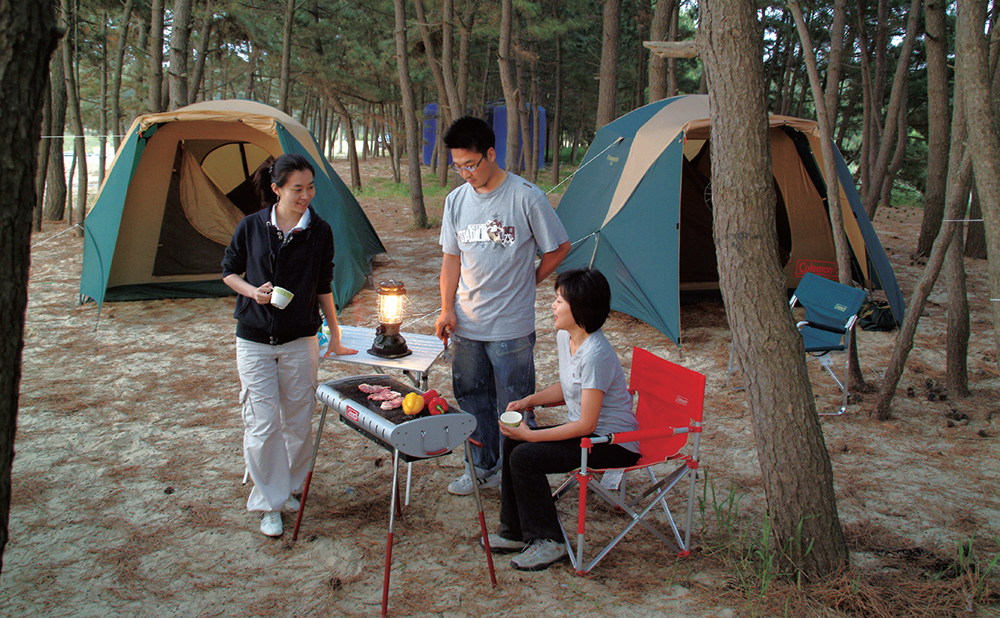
(312, 466)
(392, 523)
(482, 517)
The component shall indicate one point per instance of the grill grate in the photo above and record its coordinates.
(348, 388)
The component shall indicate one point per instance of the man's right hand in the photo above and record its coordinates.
(445, 325)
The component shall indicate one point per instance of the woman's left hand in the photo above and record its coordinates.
(521, 433)
(339, 350)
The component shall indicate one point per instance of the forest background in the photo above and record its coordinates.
(881, 77)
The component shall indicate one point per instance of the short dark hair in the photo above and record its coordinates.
(276, 171)
(470, 133)
(588, 294)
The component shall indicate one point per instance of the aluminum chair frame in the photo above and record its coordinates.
(639, 507)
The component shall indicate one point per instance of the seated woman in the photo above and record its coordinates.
(593, 385)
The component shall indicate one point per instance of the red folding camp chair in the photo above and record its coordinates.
(669, 410)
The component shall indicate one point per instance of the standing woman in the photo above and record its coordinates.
(286, 244)
(593, 385)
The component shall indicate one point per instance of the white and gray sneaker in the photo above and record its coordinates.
(462, 486)
(540, 555)
(501, 545)
(270, 523)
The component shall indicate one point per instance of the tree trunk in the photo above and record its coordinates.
(352, 151)
(607, 89)
(55, 194)
(795, 464)
(524, 121)
(43, 158)
(975, 240)
(957, 371)
(464, 44)
(959, 177)
(194, 86)
(409, 117)
(180, 35)
(659, 29)
(286, 57)
(971, 50)
(76, 120)
(555, 127)
(155, 57)
(102, 155)
(116, 77)
(510, 92)
(28, 37)
(886, 143)
(938, 123)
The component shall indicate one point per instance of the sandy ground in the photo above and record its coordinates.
(127, 498)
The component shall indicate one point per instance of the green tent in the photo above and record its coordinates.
(179, 185)
(640, 209)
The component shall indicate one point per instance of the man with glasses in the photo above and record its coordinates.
(493, 227)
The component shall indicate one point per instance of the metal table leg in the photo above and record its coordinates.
(312, 466)
(392, 523)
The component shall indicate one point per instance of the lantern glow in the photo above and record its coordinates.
(388, 342)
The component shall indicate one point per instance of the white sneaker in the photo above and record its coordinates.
(270, 523)
(291, 505)
(540, 555)
(462, 486)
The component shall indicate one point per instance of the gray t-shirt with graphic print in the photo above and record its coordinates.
(596, 365)
(497, 235)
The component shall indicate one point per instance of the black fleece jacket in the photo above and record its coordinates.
(301, 263)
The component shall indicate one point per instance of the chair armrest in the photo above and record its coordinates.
(637, 435)
(840, 330)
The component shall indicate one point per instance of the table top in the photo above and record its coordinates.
(426, 349)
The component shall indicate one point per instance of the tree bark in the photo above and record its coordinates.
(155, 101)
(971, 51)
(795, 464)
(555, 127)
(286, 59)
(55, 194)
(180, 36)
(116, 76)
(205, 31)
(76, 120)
(43, 158)
(607, 89)
(957, 366)
(938, 123)
(29, 35)
(886, 143)
(975, 240)
(409, 117)
(659, 28)
(352, 151)
(510, 91)
(102, 155)
(959, 177)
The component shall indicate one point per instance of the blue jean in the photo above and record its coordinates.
(486, 376)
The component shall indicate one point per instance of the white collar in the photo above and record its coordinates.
(301, 225)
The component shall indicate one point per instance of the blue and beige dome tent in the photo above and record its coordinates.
(180, 183)
(640, 209)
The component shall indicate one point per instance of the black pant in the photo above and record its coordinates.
(527, 510)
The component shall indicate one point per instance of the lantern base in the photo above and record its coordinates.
(389, 343)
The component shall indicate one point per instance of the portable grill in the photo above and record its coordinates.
(408, 438)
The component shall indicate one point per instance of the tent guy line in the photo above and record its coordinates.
(42, 242)
(584, 165)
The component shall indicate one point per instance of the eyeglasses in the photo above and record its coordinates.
(458, 169)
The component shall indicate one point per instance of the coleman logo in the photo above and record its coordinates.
(841, 308)
(816, 267)
(681, 400)
(612, 159)
(352, 414)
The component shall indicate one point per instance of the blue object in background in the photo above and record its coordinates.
(496, 116)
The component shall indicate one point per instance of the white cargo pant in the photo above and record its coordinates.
(278, 396)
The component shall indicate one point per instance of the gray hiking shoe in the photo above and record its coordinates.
(500, 545)
(540, 555)
(462, 486)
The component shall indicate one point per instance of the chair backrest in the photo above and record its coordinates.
(669, 396)
(828, 304)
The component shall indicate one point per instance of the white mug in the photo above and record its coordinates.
(280, 297)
